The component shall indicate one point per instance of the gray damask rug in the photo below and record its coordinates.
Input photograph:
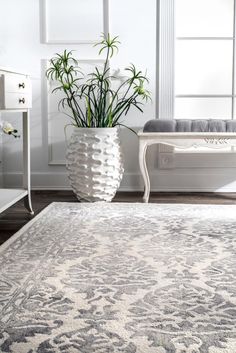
(112, 278)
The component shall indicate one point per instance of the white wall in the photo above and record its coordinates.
(21, 30)
(21, 47)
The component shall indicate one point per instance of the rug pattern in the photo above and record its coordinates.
(112, 278)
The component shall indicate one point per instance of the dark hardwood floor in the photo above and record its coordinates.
(17, 216)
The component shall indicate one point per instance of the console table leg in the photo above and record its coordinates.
(144, 170)
(28, 204)
(26, 153)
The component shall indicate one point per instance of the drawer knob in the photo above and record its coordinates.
(22, 100)
(21, 85)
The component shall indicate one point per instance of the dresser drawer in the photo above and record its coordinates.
(17, 101)
(16, 83)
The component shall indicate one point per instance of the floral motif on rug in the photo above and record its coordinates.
(121, 278)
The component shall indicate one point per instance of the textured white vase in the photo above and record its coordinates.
(94, 163)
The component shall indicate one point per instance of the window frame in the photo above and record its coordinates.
(232, 96)
(165, 76)
(165, 70)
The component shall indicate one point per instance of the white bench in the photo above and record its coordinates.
(216, 140)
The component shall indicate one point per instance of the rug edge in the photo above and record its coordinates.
(25, 227)
(47, 208)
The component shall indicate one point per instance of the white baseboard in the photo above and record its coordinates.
(217, 180)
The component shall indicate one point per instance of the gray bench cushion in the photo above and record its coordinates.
(188, 125)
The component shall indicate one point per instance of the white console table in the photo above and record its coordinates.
(16, 96)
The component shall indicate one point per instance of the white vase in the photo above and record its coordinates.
(94, 163)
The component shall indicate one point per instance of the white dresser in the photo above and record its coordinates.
(16, 96)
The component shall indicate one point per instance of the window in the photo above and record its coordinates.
(205, 59)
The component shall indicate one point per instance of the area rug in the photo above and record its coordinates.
(112, 278)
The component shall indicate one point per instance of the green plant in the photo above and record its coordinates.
(95, 103)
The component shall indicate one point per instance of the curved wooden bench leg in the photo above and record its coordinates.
(143, 168)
